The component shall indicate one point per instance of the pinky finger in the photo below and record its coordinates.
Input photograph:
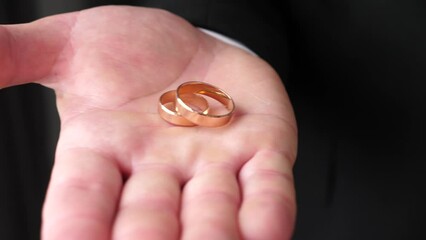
(268, 209)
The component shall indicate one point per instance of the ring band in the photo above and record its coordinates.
(171, 115)
(199, 117)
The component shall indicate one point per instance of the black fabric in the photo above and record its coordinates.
(355, 72)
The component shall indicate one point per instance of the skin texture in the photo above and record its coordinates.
(121, 172)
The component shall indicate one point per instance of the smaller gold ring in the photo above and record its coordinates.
(199, 117)
(171, 115)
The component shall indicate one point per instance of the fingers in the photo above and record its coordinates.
(82, 196)
(149, 207)
(210, 205)
(30, 52)
(268, 207)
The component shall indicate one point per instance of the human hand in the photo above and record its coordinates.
(121, 172)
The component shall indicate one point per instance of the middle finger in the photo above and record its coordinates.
(150, 204)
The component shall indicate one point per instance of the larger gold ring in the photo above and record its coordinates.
(167, 107)
(199, 117)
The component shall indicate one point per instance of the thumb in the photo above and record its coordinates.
(29, 52)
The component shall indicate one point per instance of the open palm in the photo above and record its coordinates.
(121, 172)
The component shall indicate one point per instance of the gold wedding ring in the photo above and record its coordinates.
(189, 105)
(198, 117)
(167, 107)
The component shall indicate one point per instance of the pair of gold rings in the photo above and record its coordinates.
(191, 105)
